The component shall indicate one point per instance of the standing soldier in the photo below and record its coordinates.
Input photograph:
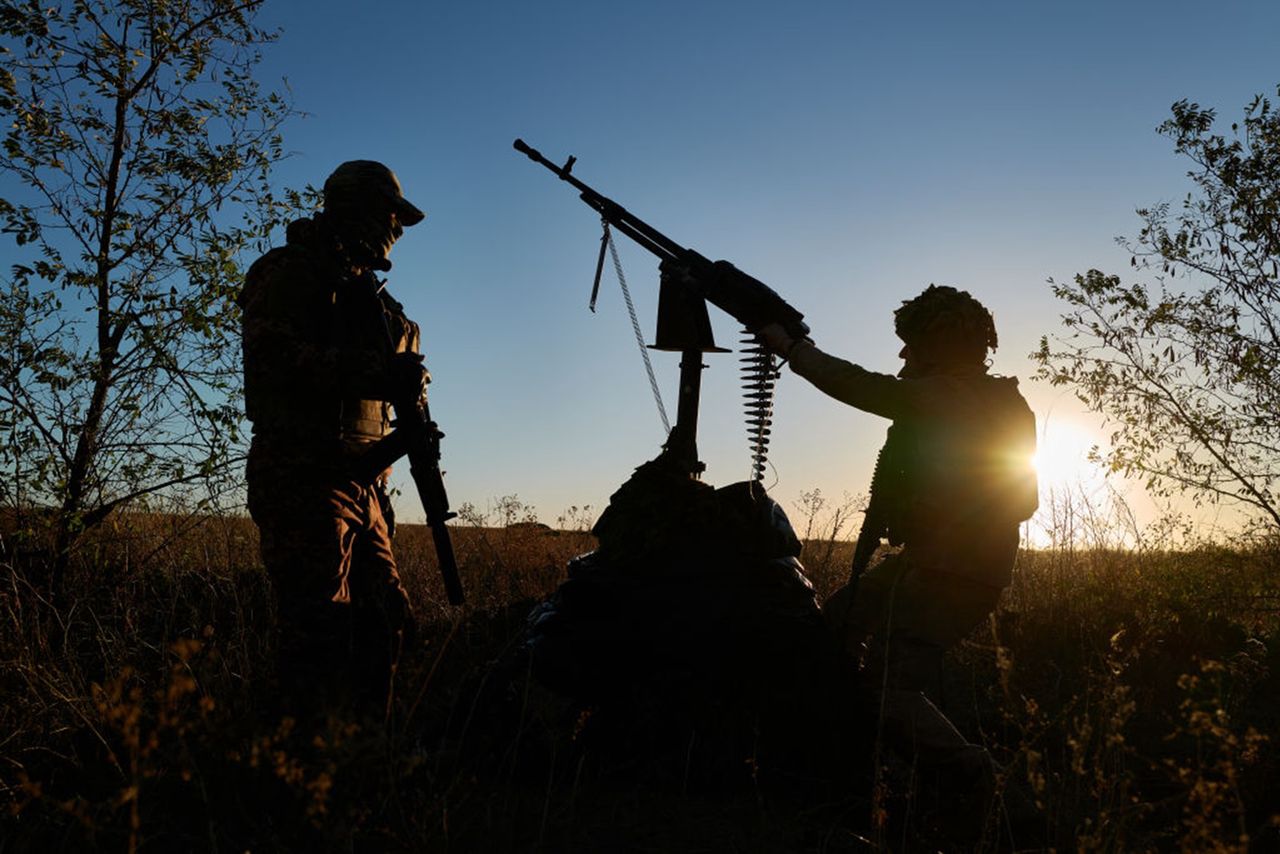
(325, 349)
(951, 486)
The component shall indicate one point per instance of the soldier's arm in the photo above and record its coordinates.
(879, 394)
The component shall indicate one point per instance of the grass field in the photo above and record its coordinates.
(1134, 694)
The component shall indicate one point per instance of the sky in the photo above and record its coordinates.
(847, 153)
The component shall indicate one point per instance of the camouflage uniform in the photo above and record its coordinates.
(970, 437)
(319, 338)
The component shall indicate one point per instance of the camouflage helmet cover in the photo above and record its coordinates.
(359, 182)
(946, 318)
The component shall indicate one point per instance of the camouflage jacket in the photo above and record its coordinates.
(968, 476)
(317, 348)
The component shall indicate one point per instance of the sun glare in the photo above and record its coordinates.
(1062, 457)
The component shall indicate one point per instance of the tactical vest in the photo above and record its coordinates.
(365, 321)
(954, 492)
(292, 389)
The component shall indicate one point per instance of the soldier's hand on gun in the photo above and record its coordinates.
(778, 340)
(408, 377)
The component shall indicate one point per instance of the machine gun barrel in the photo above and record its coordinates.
(619, 217)
(747, 299)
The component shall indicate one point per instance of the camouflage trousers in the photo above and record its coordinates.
(900, 620)
(342, 612)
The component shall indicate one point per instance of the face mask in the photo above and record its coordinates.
(367, 235)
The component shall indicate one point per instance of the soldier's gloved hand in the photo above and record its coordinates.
(778, 340)
(408, 377)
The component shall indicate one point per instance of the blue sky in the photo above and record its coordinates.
(846, 153)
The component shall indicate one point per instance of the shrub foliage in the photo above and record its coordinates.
(1185, 364)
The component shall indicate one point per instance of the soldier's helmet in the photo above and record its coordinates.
(947, 321)
(357, 184)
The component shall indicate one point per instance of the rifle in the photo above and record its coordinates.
(422, 438)
(418, 436)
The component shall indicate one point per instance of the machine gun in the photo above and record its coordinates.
(689, 281)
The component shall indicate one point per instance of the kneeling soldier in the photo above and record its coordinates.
(952, 485)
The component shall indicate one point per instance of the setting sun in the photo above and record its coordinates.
(1062, 456)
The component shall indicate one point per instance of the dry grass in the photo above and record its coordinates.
(1133, 693)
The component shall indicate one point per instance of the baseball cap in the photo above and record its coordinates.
(358, 181)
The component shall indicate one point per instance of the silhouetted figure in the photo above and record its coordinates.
(692, 639)
(325, 349)
(951, 487)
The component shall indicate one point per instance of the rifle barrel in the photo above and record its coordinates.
(448, 564)
(424, 467)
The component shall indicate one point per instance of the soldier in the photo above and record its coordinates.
(325, 349)
(951, 487)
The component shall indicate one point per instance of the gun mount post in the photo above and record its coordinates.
(683, 441)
